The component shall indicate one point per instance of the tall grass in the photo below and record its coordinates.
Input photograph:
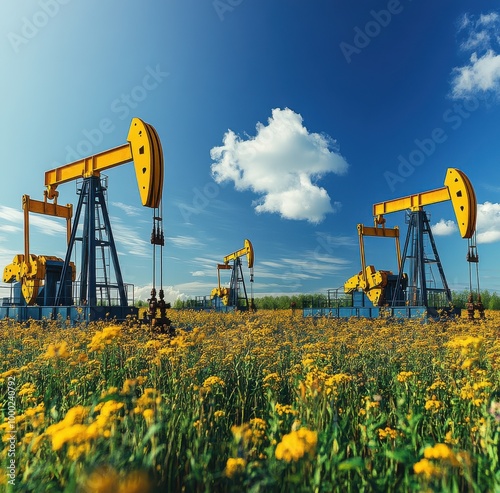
(263, 402)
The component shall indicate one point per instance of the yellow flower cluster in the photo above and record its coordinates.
(441, 451)
(388, 433)
(104, 337)
(213, 381)
(433, 404)
(234, 466)
(285, 409)
(73, 431)
(57, 351)
(296, 445)
(404, 376)
(107, 480)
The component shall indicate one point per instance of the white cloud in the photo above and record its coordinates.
(281, 164)
(482, 72)
(171, 294)
(8, 228)
(198, 273)
(444, 228)
(128, 240)
(480, 76)
(130, 210)
(184, 241)
(488, 222)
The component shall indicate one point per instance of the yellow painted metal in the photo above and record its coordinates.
(219, 268)
(371, 281)
(30, 289)
(86, 167)
(413, 202)
(380, 232)
(12, 272)
(463, 199)
(222, 293)
(148, 161)
(47, 209)
(30, 272)
(458, 189)
(144, 148)
(246, 250)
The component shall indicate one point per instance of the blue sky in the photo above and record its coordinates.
(282, 122)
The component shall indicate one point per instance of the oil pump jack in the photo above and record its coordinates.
(416, 290)
(47, 283)
(236, 296)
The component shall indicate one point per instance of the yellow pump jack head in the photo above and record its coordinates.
(147, 155)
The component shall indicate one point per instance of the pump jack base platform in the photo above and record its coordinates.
(74, 314)
(398, 313)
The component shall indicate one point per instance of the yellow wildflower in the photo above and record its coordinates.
(387, 432)
(105, 337)
(75, 433)
(296, 444)
(426, 468)
(9, 373)
(433, 404)
(404, 376)
(28, 389)
(102, 480)
(148, 416)
(441, 451)
(282, 409)
(57, 351)
(234, 465)
(212, 382)
(135, 482)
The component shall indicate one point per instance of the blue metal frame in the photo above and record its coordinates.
(92, 197)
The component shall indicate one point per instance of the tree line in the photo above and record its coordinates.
(491, 301)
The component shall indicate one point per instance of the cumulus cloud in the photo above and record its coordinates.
(171, 294)
(444, 228)
(488, 222)
(281, 164)
(481, 75)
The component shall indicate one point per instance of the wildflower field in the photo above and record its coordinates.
(263, 402)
